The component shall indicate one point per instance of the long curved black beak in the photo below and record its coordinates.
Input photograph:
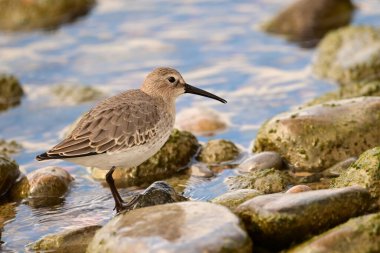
(200, 92)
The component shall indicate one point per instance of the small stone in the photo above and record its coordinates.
(73, 241)
(9, 172)
(201, 170)
(11, 91)
(201, 121)
(339, 168)
(263, 160)
(299, 188)
(365, 172)
(280, 219)
(175, 155)
(179, 227)
(264, 180)
(233, 199)
(76, 94)
(8, 148)
(358, 235)
(217, 151)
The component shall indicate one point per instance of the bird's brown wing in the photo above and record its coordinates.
(118, 123)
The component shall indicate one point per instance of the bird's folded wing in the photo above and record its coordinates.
(109, 128)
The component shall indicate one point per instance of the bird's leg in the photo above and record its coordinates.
(115, 194)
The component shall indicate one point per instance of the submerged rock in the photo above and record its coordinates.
(317, 137)
(350, 54)
(180, 227)
(307, 21)
(25, 15)
(217, 151)
(10, 90)
(73, 241)
(43, 187)
(233, 199)
(358, 235)
(282, 218)
(9, 173)
(76, 94)
(8, 148)
(365, 172)
(201, 121)
(263, 160)
(172, 157)
(264, 180)
(157, 193)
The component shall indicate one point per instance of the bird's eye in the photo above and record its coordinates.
(171, 79)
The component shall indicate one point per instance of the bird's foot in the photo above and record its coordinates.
(126, 206)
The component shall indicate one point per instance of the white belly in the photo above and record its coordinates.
(130, 158)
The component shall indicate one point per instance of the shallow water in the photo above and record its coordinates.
(217, 45)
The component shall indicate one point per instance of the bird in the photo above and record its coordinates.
(126, 129)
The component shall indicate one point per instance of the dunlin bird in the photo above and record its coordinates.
(126, 129)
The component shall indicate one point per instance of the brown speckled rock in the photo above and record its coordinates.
(217, 151)
(263, 160)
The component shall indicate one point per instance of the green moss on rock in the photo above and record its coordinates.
(10, 91)
(350, 54)
(7, 148)
(217, 151)
(365, 172)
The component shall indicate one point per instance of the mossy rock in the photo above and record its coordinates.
(217, 151)
(174, 156)
(73, 241)
(352, 90)
(358, 235)
(10, 90)
(317, 137)
(8, 148)
(350, 54)
(277, 220)
(233, 199)
(9, 172)
(26, 15)
(365, 172)
(76, 94)
(263, 180)
(308, 21)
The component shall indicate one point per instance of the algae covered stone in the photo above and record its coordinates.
(21, 15)
(217, 151)
(264, 180)
(358, 235)
(317, 137)
(10, 91)
(179, 227)
(307, 21)
(172, 157)
(9, 172)
(350, 54)
(8, 148)
(76, 94)
(233, 199)
(365, 172)
(282, 218)
(72, 240)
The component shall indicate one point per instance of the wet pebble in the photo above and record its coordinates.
(299, 188)
(9, 172)
(179, 227)
(263, 160)
(217, 151)
(201, 170)
(234, 198)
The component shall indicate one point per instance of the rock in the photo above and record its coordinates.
(263, 160)
(26, 15)
(157, 193)
(265, 181)
(365, 172)
(8, 148)
(43, 187)
(72, 240)
(233, 199)
(201, 170)
(201, 121)
(217, 151)
(76, 94)
(358, 235)
(307, 21)
(352, 90)
(9, 173)
(317, 137)
(11, 91)
(180, 227)
(299, 188)
(173, 156)
(7, 212)
(282, 218)
(339, 168)
(348, 55)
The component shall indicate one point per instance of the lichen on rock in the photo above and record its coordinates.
(8, 148)
(217, 151)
